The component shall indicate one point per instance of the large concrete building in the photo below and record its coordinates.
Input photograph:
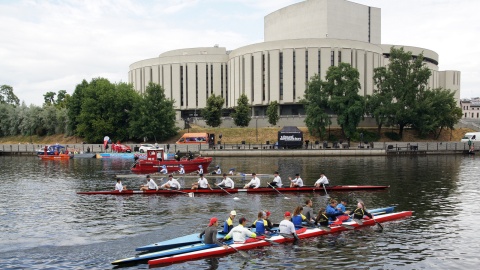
(301, 40)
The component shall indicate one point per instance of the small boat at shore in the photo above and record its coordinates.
(56, 157)
(309, 232)
(156, 159)
(233, 190)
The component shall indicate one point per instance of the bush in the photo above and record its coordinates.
(393, 136)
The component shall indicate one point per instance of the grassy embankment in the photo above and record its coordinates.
(236, 135)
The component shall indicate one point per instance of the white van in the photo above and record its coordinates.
(471, 136)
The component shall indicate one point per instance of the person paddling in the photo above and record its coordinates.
(211, 233)
(322, 181)
(164, 170)
(322, 218)
(308, 212)
(240, 233)
(172, 183)
(360, 212)
(119, 186)
(227, 182)
(287, 227)
(254, 183)
(277, 181)
(217, 170)
(151, 185)
(296, 182)
(298, 218)
(228, 224)
(333, 213)
(202, 183)
(261, 224)
(181, 170)
(200, 170)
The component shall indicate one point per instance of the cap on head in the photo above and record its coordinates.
(181, 166)
(287, 214)
(212, 221)
(200, 166)
(242, 220)
(268, 213)
(218, 166)
(233, 213)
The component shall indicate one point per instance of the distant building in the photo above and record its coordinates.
(301, 40)
(470, 108)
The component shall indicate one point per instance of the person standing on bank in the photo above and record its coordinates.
(151, 185)
(322, 181)
(277, 181)
(254, 183)
(211, 234)
(296, 182)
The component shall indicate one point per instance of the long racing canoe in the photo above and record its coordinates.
(313, 232)
(192, 239)
(234, 190)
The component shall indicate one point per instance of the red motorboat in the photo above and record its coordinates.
(156, 159)
(56, 157)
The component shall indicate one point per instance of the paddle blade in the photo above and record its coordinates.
(323, 228)
(236, 199)
(349, 227)
(379, 225)
(191, 194)
(358, 221)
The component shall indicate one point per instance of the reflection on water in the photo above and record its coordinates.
(45, 224)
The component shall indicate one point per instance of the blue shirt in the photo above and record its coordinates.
(332, 213)
(341, 207)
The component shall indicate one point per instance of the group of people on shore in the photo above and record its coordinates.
(333, 214)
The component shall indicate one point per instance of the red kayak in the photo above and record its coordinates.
(56, 157)
(155, 160)
(235, 190)
(278, 239)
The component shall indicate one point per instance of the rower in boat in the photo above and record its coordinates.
(322, 218)
(227, 182)
(267, 218)
(164, 170)
(240, 233)
(261, 224)
(228, 224)
(200, 169)
(277, 181)
(151, 185)
(119, 186)
(172, 183)
(202, 183)
(342, 205)
(254, 183)
(296, 182)
(181, 170)
(360, 212)
(211, 234)
(322, 181)
(335, 214)
(287, 227)
(298, 217)
(217, 170)
(308, 212)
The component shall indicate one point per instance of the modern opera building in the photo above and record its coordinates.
(301, 40)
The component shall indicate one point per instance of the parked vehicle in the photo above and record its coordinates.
(194, 138)
(145, 147)
(121, 148)
(471, 136)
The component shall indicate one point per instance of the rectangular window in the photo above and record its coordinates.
(339, 57)
(294, 74)
(151, 75)
(263, 77)
(332, 58)
(221, 80)
(211, 79)
(181, 85)
(319, 63)
(281, 75)
(226, 85)
(206, 81)
(252, 78)
(196, 84)
(306, 65)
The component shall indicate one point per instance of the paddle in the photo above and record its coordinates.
(376, 222)
(324, 189)
(286, 198)
(271, 241)
(235, 198)
(190, 194)
(243, 253)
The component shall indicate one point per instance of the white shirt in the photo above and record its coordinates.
(164, 170)
(278, 180)
(172, 183)
(218, 171)
(203, 182)
(119, 187)
(228, 182)
(255, 182)
(298, 181)
(181, 171)
(286, 226)
(151, 184)
(322, 180)
(239, 233)
(200, 171)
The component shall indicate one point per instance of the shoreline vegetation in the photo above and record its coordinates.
(249, 135)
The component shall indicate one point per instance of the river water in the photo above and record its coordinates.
(44, 224)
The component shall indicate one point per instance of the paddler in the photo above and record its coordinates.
(333, 213)
(308, 212)
(277, 181)
(254, 183)
(181, 170)
(217, 170)
(200, 170)
(360, 212)
(202, 183)
(322, 181)
(298, 217)
(119, 186)
(322, 218)
(228, 224)
(227, 182)
(240, 233)
(172, 183)
(261, 224)
(151, 185)
(287, 227)
(211, 233)
(164, 170)
(296, 182)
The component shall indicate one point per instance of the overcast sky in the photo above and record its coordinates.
(54, 45)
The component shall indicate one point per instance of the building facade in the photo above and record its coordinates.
(300, 40)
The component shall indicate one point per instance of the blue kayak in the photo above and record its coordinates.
(164, 253)
(193, 239)
(190, 239)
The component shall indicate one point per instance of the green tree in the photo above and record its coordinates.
(379, 105)
(272, 112)
(315, 102)
(406, 77)
(49, 98)
(7, 95)
(74, 105)
(342, 85)
(153, 116)
(62, 98)
(212, 113)
(241, 115)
